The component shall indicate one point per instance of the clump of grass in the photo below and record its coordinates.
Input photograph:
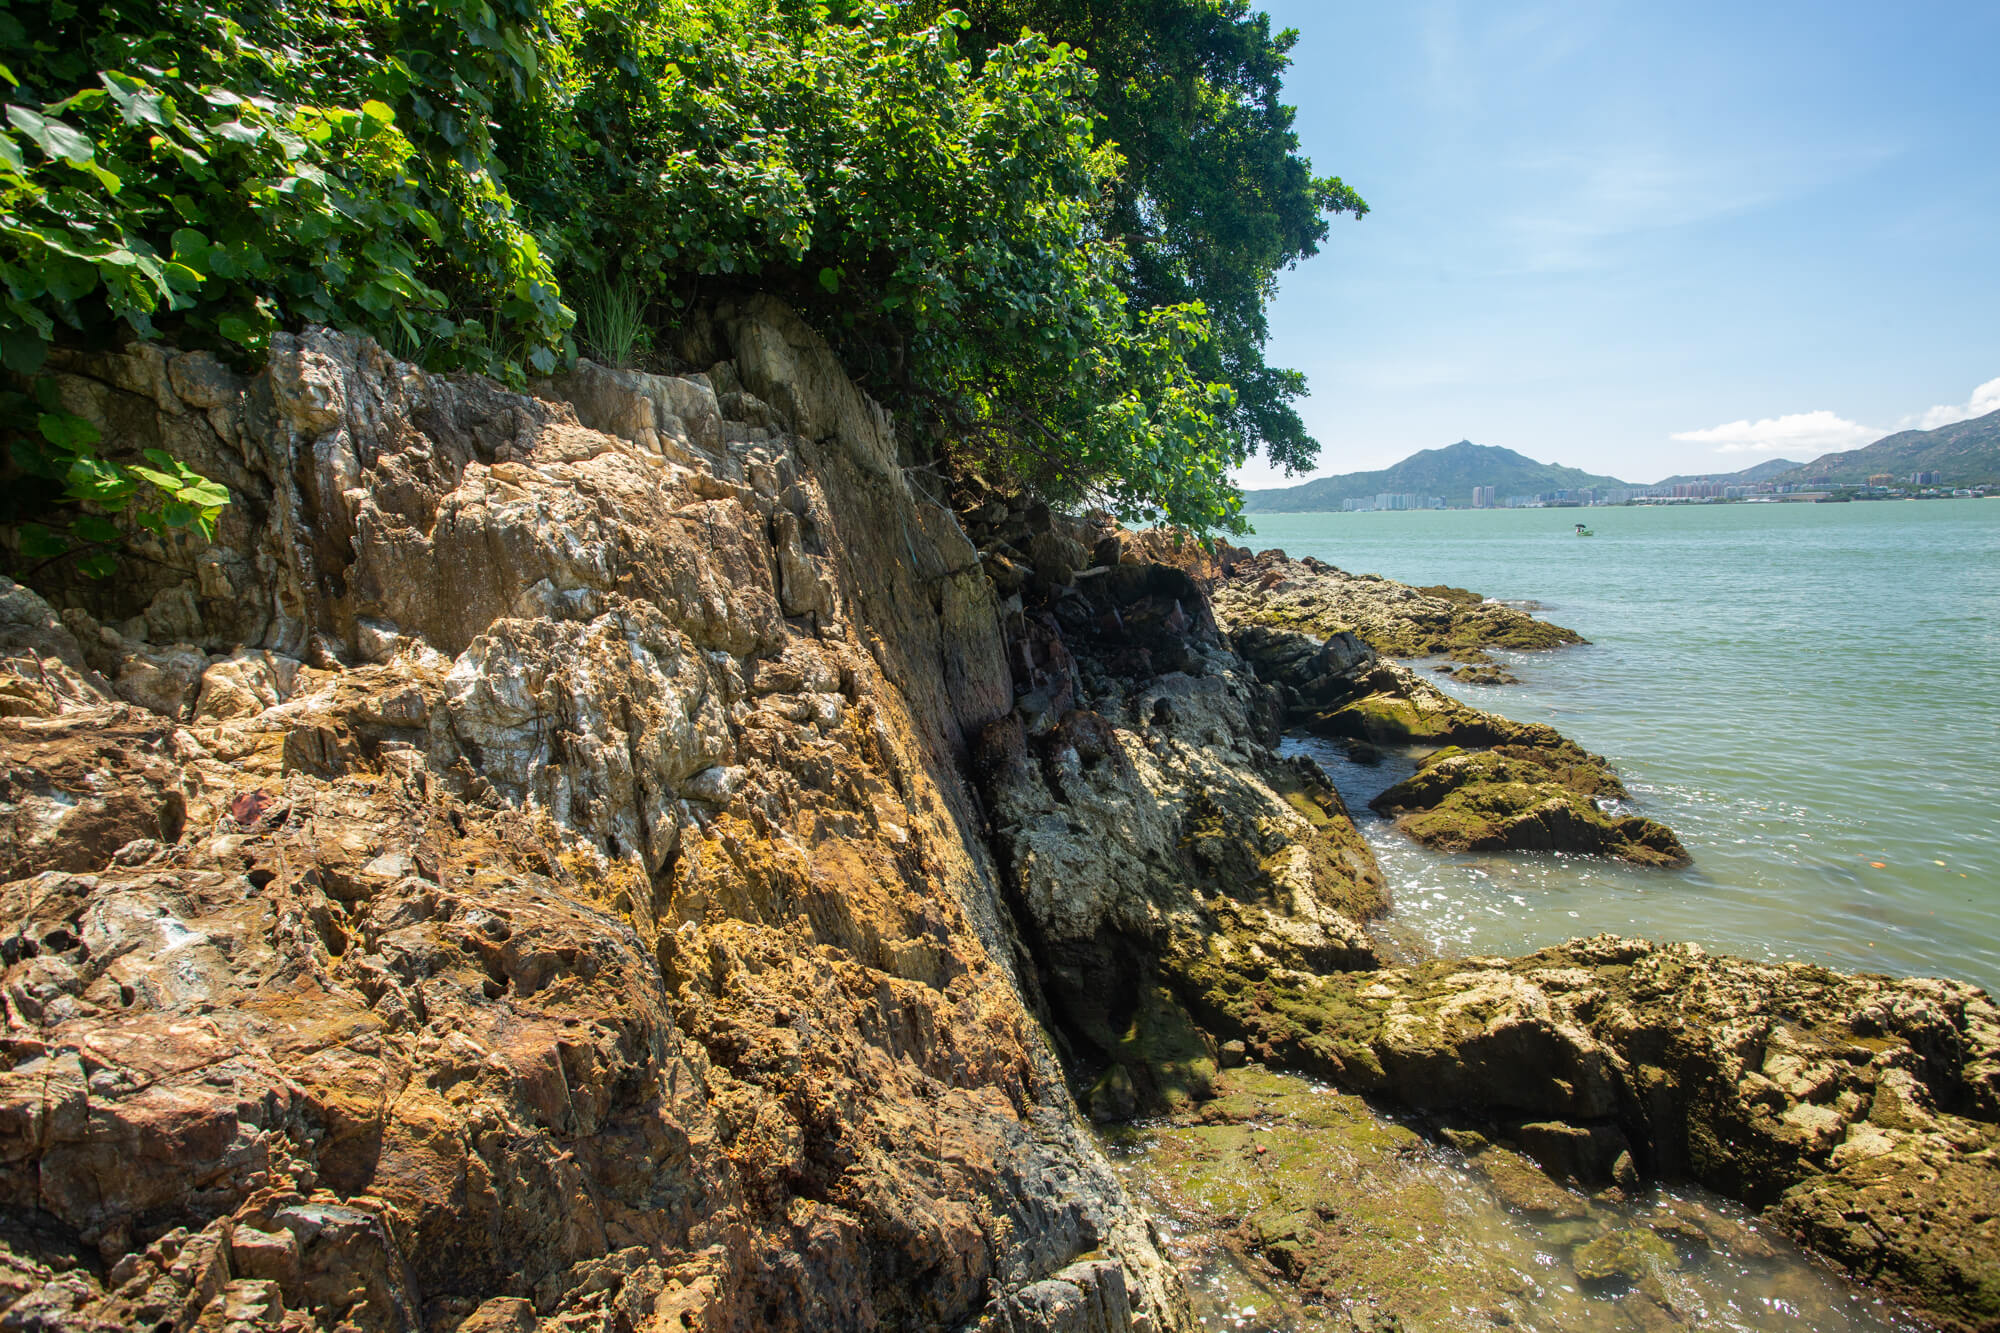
(612, 321)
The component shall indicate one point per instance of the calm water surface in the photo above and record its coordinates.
(1808, 694)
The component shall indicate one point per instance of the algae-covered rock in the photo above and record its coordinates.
(1629, 1254)
(1394, 618)
(1493, 801)
(1761, 1081)
(1527, 1189)
(1346, 1209)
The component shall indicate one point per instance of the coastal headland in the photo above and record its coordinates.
(634, 855)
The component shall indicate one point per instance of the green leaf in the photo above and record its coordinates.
(91, 528)
(53, 137)
(98, 565)
(67, 431)
(137, 103)
(38, 543)
(22, 350)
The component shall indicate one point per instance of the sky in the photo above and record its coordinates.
(1644, 239)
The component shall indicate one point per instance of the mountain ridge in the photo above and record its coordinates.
(1964, 453)
(1450, 472)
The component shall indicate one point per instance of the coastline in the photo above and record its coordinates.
(634, 849)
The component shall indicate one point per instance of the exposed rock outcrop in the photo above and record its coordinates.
(1395, 619)
(521, 876)
(1524, 799)
(1862, 1112)
(1491, 785)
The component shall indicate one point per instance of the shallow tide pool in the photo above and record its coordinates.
(1416, 1230)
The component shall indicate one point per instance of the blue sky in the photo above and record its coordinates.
(1643, 238)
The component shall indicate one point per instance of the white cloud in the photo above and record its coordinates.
(1810, 433)
(1985, 398)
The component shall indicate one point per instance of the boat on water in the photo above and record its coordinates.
(1582, 531)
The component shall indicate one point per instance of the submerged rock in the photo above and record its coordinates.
(1629, 1254)
(1487, 674)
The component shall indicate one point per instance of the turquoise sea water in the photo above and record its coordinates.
(1808, 694)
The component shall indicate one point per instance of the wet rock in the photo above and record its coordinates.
(1757, 1080)
(1494, 801)
(1325, 1198)
(1490, 674)
(1524, 1187)
(1395, 619)
(1629, 1254)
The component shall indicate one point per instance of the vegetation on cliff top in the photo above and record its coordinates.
(1057, 274)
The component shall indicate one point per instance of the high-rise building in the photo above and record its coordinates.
(1483, 497)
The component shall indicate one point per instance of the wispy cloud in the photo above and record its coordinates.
(1819, 432)
(1985, 398)
(1589, 197)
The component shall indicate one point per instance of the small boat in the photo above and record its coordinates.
(1582, 531)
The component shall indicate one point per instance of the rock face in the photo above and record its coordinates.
(1862, 1112)
(522, 877)
(1148, 833)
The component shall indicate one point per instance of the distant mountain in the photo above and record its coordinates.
(1748, 476)
(1450, 472)
(1966, 453)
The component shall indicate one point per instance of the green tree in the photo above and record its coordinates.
(1215, 199)
(432, 171)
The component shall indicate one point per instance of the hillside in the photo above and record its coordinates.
(1760, 472)
(1450, 472)
(1965, 453)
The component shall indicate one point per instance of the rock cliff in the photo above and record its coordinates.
(521, 876)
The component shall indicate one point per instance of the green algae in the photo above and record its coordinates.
(1337, 1201)
(1322, 1214)
(1160, 1061)
(1629, 1254)
(1521, 799)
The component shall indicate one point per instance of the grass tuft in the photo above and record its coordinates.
(612, 322)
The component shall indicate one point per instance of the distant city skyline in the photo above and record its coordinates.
(1643, 240)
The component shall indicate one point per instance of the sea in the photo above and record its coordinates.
(1809, 694)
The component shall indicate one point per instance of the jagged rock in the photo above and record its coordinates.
(561, 905)
(1154, 838)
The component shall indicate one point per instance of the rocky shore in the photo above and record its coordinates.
(637, 856)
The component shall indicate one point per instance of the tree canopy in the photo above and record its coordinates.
(1214, 199)
(1048, 235)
